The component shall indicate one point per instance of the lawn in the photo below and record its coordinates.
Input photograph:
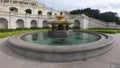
(9, 32)
(105, 30)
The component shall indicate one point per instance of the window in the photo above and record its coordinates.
(39, 12)
(26, 3)
(20, 2)
(6, 1)
(55, 14)
(33, 4)
(28, 11)
(1, 0)
(49, 13)
(15, 2)
(13, 9)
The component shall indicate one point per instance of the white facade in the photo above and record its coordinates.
(18, 18)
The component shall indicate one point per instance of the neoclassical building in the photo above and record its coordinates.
(24, 14)
(31, 13)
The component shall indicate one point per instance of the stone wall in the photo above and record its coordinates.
(95, 23)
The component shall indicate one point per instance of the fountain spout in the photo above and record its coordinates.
(60, 27)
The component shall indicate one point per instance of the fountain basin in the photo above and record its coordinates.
(60, 33)
(60, 53)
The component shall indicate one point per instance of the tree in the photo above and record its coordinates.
(109, 17)
(95, 13)
(88, 11)
(78, 11)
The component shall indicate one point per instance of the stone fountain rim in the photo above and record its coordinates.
(16, 41)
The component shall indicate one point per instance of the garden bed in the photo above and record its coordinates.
(105, 30)
(9, 32)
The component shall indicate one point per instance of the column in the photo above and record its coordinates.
(40, 23)
(9, 1)
(12, 21)
(2, 1)
(18, 2)
(30, 3)
(27, 23)
(38, 20)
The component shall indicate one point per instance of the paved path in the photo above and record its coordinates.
(9, 59)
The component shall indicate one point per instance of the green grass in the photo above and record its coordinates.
(9, 32)
(105, 30)
(6, 34)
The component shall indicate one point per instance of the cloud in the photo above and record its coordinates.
(115, 5)
(103, 6)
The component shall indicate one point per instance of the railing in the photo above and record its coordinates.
(3, 13)
(23, 3)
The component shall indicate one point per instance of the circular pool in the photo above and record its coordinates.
(76, 39)
(80, 46)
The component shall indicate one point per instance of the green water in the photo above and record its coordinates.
(76, 38)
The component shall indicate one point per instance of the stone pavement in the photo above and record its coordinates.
(9, 59)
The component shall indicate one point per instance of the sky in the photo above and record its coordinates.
(68, 5)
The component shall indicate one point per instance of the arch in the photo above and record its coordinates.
(19, 23)
(39, 12)
(3, 23)
(45, 23)
(33, 23)
(13, 9)
(61, 13)
(76, 23)
(28, 11)
(6, 1)
(49, 13)
(55, 14)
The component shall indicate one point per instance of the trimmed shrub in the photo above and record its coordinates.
(47, 27)
(76, 27)
(105, 30)
(34, 28)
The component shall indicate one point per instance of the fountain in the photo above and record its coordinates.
(60, 44)
(60, 28)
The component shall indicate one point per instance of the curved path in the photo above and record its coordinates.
(9, 59)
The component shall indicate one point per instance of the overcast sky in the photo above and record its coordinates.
(102, 5)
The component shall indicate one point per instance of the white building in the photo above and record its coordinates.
(30, 13)
(13, 14)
